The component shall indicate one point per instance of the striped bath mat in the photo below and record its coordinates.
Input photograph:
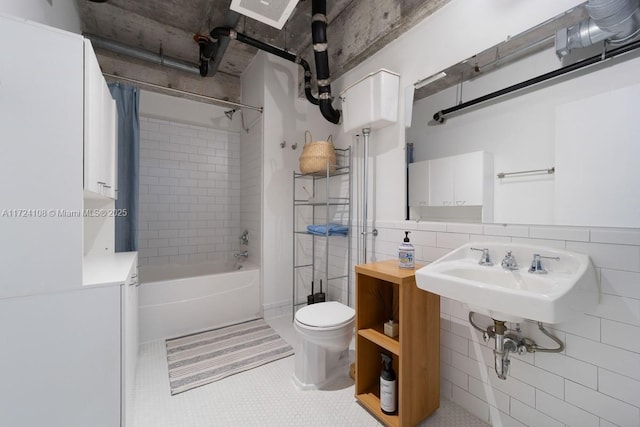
(203, 358)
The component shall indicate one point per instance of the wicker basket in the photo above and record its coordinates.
(316, 155)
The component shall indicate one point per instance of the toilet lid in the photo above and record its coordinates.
(325, 314)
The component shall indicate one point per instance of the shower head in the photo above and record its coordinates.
(229, 114)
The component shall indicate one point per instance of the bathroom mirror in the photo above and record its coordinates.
(564, 151)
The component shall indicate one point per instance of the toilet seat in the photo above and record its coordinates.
(325, 316)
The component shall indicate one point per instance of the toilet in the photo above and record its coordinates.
(324, 332)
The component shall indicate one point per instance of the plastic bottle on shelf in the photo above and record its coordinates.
(406, 253)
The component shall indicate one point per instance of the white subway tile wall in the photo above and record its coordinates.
(251, 190)
(189, 193)
(594, 382)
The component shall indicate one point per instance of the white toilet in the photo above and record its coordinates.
(324, 332)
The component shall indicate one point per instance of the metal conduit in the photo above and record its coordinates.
(441, 115)
(122, 49)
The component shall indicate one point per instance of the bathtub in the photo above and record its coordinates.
(176, 300)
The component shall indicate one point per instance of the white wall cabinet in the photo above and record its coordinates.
(463, 180)
(419, 184)
(41, 139)
(100, 135)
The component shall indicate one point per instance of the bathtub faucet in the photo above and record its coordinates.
(243, 254)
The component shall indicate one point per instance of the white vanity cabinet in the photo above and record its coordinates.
(120, 270)
(61, 353)
(100, 131)
(463, 180)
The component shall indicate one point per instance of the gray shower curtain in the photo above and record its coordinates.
(127, 102)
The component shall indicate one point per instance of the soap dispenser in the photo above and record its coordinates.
(406, 253)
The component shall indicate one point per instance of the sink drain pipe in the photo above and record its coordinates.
(507, 342)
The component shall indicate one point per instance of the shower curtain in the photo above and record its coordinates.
(127, 102)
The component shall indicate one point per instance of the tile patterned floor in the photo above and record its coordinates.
(265, 396)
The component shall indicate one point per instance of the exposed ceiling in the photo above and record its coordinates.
(356, 30)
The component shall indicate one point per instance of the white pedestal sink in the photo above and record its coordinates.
(567, 286)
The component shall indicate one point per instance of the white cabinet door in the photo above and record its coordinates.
(441, 181)
(100, 152)
(419, 183)
(468, 179)
(61, 353)
(94, 151)
(129, 343)
(110, 146)
(40, 159)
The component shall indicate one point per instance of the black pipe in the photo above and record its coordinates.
(218, 32)
(319, 39)
(440, 115)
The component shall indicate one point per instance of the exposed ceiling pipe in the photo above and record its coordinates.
(319, 38)
(219, 32)
(156, 58)
(616, 21)
(231, 20)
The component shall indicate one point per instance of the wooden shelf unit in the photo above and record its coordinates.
(383, 290)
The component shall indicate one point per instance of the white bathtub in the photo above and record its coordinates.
(176, 300)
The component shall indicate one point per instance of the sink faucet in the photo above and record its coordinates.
(509, 262)
(536, 264)
(243, 254)
(485, 259)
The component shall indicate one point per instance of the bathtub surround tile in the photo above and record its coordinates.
(180, 164)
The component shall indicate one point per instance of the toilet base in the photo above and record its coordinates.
(315, 366)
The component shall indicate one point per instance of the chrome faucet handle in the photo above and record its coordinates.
(536, 264)
(485, 259)
(509, 262)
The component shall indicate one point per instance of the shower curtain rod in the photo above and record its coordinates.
(183, 92)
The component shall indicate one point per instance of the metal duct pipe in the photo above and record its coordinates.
(219, 32)
(617, 21)
(319, 38)
(145, 55)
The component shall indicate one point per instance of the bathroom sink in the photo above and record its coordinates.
(567, 286)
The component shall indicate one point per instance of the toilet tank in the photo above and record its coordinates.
(371, 102)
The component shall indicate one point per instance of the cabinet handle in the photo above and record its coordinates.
(101, 183)
(107, 186)
(133, 276)
(134, 283)
(460, 202)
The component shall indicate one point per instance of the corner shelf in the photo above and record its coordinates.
(311, 257)
(384, 291)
